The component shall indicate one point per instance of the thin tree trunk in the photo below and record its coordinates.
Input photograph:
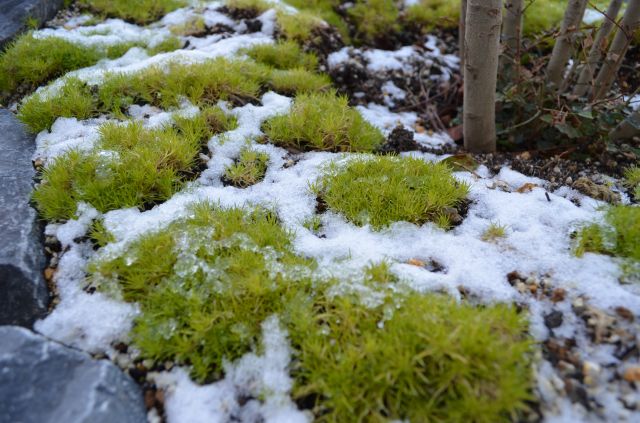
(482, 39)
(461, 33)
(630, 22)
(628, 128)
(511, 36)
(598, 49)
(562, 49)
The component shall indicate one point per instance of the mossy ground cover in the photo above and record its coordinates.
(237, 81)
(141, 12)
(29, 62)
(205, 284)
(129, 167)
(618, 237)
(323, 122)
(378, 191)
(249, 169)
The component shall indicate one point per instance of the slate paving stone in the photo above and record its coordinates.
(45, 382)
(14, 15)
(23, 292)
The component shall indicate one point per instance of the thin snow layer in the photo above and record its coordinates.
(253, 376)
(90, 322)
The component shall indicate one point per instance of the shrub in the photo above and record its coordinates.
(381, 190)
(248, 170)
(141, 11)
(325, 122)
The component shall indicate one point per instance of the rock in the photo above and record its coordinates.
(554, 319)
(43, 381)
(14, 15)
(23, 292)
(632, 374)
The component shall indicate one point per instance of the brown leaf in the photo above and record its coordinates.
(416, 262)
(528, 187)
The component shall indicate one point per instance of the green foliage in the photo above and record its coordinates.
(416, 358)
(295, 81)
(194, 26)
(140, 11)
(74, 99)
(256, 7)
(33, 61)
(381, 190)
(202, 83)
(248, 170)
(326, 10)
(374, 18)
(494, 232)
(282, 55)
(129, 167)
(632, 181)
(168, 44)
(620, 237)
(298, 26)
(324, 122)
(206, 283)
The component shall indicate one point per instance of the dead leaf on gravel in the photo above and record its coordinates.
(460, 162)
(416, 262)
(528, 187)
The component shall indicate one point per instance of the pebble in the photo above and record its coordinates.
(632, 374)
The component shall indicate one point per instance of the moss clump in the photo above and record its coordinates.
(129, 167)
(416, 358)
(374, 19)
(248, 170)
(31, 62)
(283, 55)
(381, 190)
(254, 7)
(620, 237)
(324, 122)
(141, 11)
(168, 44)
(494, 232)
(296, 81)
(193, 27)
(206, 283)
(298, 26)
(632, 181)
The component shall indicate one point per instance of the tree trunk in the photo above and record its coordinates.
(511, 36)
(618, 49)
(598, 49)
(461, 33)
(562, 49)
(628, 128)
(482, 39)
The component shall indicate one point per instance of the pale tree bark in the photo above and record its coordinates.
(599, 47)
(511, 37)
(482, 39)
(461, 32)
(630, 23)
(628, 128)
(562, 49)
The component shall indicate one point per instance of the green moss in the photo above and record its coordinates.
(620, 237)
(415, 358)
(165, 46)
(248, 170)
(255, 6)
(129, 167)
(632, 181)
(74, 99)
(203, 84)
(494, 232)
(296, 81)
(298, 26)
(325, 122)
(326, 10)
(381, 190)
(31, 62)
(374, 19)
(141, 11)
(206, 283)
(194, 26)
(282, 55)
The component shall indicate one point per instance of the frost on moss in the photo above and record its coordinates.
(206, 283)
(29, 62)
(204, 84)
(129, 167)
(140, 11)
(249, 169)
(323, 122)
(381, 190)
(618, 237)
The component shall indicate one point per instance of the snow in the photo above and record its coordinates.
(537, 239)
